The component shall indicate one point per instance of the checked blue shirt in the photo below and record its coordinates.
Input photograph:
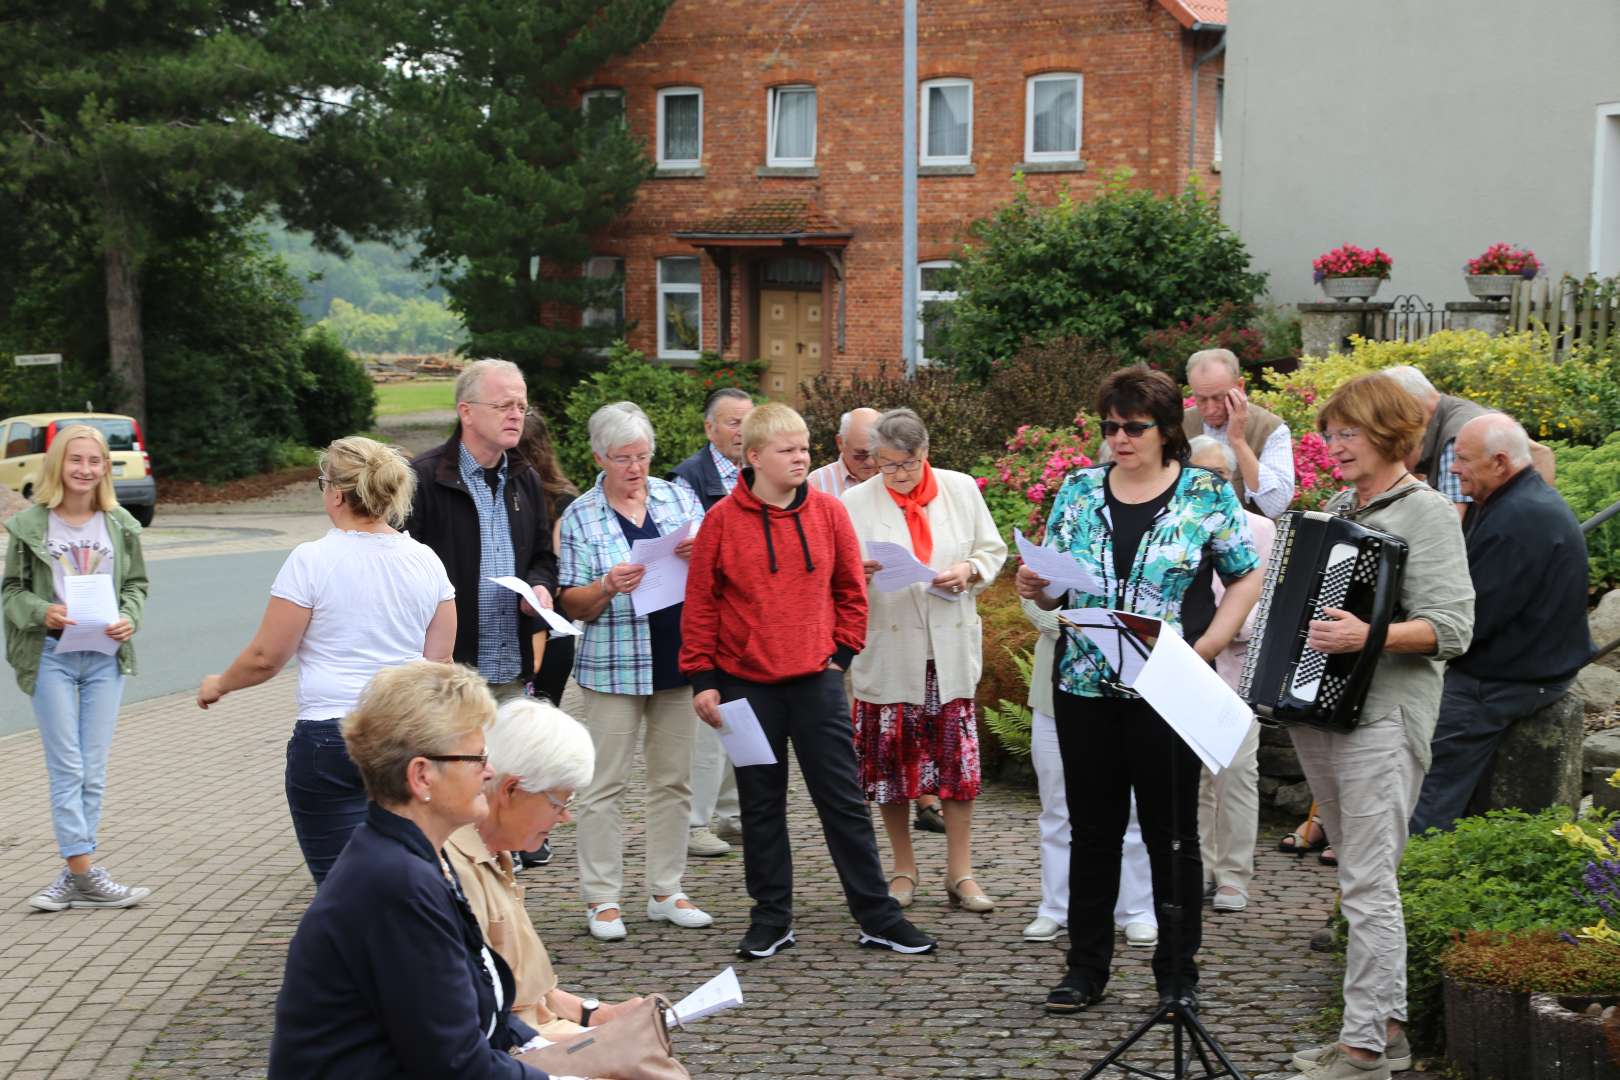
(499, 657)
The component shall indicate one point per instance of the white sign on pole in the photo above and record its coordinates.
(38, 359)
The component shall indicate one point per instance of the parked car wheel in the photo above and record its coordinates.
(142, 514)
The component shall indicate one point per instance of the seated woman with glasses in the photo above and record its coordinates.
(361, 598)
(540, 756)
(628, 672)
(1141, 526)
(388, 973)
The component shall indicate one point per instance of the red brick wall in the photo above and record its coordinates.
(1134, 57)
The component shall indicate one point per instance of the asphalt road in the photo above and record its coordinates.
(199, 614)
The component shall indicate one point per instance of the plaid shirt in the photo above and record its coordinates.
(499, 657)
(727, 468)
(615, 654)
(1449, 483)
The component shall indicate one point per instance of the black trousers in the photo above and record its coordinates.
(1110, 747)
(813, 713)
(324, 792)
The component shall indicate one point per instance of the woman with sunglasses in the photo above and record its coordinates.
(916, 728)
(1142, 526)
(361, 598)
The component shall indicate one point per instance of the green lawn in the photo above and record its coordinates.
(418, 395)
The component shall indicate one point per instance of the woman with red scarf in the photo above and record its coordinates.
(915, 729)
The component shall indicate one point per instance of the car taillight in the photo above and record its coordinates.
(50, 433)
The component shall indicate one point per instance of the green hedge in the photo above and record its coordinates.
(1589, 480)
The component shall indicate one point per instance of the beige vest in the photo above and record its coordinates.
(1259, 428)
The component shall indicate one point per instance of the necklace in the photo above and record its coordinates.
(1362, 505)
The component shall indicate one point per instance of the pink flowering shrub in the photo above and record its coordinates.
(1019, 486)
(1316, 476)
(1351, 261)
(1504, 259)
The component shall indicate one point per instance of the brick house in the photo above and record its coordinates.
(773, 225)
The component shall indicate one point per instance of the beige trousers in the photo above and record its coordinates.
(1229, 816)
(661, 723)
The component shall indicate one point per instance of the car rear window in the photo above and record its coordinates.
(120, 434)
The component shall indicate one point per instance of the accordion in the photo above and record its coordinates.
(1320, 561)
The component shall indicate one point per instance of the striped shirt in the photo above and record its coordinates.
(500, 658)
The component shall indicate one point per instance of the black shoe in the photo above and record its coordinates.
(1187, 998)
(1073, 994)
(538, 857)
(902, 937)
(930, 819)
(762, 941)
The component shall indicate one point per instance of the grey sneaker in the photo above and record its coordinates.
(57, 896)
(729, 829)
(97, 889)
(1329, 1063)
(704, 843)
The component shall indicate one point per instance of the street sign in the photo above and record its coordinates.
(39, 359)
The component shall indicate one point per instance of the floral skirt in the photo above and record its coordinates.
(907, 750)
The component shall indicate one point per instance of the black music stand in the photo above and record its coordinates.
(1180, 1012)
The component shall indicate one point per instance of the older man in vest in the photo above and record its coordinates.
(1259, 439)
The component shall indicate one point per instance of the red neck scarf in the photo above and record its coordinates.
(911, 504)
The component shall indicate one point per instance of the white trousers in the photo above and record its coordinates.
(1135, 903)
(714, 780)
(1229, 816)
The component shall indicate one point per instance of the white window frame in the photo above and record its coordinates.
(1604, 259)
(1220, 116)
(600, 94)
(587, 314)
(772, 99)
(1030, 153)
(923, 155)
(934, 295)
(679, 163)
(665, 352)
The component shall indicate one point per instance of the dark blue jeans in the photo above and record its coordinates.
(324, 793)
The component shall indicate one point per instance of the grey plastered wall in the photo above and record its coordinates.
(1429, 128)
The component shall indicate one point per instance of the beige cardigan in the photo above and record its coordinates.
(901, 627)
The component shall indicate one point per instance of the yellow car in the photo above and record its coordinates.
(24, 440)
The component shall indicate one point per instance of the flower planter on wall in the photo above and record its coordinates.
(1566, 1043)
(1488, 1032)
(1491, 286)
(1350, 288)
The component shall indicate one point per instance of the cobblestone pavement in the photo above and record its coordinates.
(184, 985)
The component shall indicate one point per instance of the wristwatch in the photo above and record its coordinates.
(586, 1007)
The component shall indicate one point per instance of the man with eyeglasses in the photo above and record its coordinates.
(854, 463)
(1260, 440)
(483, 512)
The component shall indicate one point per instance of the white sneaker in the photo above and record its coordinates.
(1229, 901)
(57, 896)
(1141, 933)
(608, 929)
(1043, 929)
(728, 829)
(702, 842)
(668, 910)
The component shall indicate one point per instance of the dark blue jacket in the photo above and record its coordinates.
(385, 976)
(700, 474)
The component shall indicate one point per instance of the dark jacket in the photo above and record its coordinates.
(701, 476)
(445, 518)
(385, 976)
(1527, 557)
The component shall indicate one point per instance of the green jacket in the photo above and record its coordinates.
(29, 588)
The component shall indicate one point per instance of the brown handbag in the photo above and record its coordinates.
(635, 1046)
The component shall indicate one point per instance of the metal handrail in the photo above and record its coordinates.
(1601, 516)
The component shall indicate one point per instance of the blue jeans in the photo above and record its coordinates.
(324, 793)
(76, 702)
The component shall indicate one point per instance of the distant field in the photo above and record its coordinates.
(417, 395)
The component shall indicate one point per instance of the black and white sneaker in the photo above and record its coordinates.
(762, 941)
(540, 856)
(902, 937)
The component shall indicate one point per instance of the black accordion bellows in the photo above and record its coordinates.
(1320, 561)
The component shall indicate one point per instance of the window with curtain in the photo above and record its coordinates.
(947, 122)
(680, 308)
(936, 292)
(1052, 118)
(793, 126)
(610, 312)
(680, 126)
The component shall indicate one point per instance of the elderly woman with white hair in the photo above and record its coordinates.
(540, 756)
(627, 669)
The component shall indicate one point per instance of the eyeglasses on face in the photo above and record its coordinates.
(891, 467)
(504, 407)
(481, 759)
(563, 806)
(1135, 429)
(321, 482)
(1342, 435)
(624, 461)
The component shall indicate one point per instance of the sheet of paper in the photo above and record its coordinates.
(92, 607)
(900, 568)
(1063, 571)
(1194, 700)
(556, 622)
(742, 736)
(717, 995)
(663, 581)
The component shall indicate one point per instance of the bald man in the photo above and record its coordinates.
(1527, 558)
(854, 463)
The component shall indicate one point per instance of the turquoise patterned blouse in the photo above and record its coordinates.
(1203, 519)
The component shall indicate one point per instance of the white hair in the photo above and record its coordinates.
(1199, 445)
(1224, 357)
(1413, 381)
(1504, 435)
(540, 745)
(470, 381)
(619, 424)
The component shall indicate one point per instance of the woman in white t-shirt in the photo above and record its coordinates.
(362, 598)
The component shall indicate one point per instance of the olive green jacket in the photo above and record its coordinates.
(29, 588)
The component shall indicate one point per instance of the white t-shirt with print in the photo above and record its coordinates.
(76, 550)
(371, 597)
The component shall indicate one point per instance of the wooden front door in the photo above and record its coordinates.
(790, 340)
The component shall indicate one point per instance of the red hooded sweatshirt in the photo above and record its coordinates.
(772, 594)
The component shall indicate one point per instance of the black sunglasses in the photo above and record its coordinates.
(1134, 428)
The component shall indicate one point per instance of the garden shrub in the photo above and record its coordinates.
(1534, 961)
(1589, 480)
(1009, 639)
(1228, 327)
(957, 413)
(1020, 485)
(1012, 722)
(1046, 384)
(671, 398)
(337, 397)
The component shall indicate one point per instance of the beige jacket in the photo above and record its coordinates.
(904, 629)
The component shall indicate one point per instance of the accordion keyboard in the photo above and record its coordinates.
(1346, 563)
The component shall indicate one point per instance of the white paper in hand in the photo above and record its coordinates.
(92, 607)
(663, 578)
(1063, 571)
(556, 622)
(899, 567)
(717, 995)
(741, 735)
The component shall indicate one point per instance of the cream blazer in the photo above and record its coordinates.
(902, 626)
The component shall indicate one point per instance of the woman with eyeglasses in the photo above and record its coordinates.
(1142, 526)
(916, 730)
(361, 598)
(627, 667)
(388, 973)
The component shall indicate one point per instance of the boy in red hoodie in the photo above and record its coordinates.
(775, 610)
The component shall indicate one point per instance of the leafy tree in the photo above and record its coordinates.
(1107, 270)
(337, 397)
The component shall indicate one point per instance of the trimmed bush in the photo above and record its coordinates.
(671, 398)
(337, 398)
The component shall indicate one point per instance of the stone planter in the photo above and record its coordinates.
(1488, 1032)
(1491, 286)
(1566, 1043)
(1351, 288)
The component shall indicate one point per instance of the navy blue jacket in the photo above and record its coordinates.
(385, 976)
(700, 474)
